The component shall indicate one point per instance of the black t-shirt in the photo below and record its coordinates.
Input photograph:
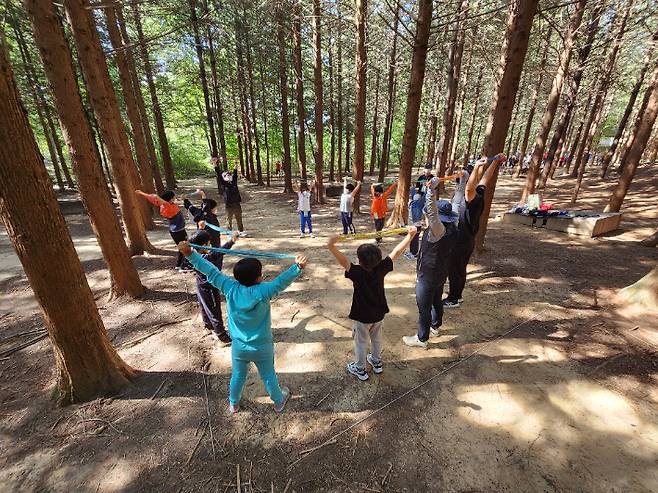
(369, 300)
(469, 223)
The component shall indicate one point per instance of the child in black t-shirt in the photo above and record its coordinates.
(369, 300)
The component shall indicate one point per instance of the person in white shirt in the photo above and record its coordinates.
(304, 209)
(458, 199)
(346, 205)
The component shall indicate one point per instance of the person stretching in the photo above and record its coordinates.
(469, 223)
(379, 206)
(248, 303)
(431, 269)
(304, 209)
(228, 184)
(347, 205)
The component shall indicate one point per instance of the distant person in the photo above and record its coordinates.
(172, 213)
(248, 302)
(304, 209)
(369, 304)
(379, 205)
(228, 184)
(469, 224)
(424, 178)
(347, 205)
(208, 295)
(278, 168)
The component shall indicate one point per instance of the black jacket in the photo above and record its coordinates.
(230, 188)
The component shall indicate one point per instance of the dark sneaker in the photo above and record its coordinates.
(223, 339)
(377, 367)
(359, 373)
(286, 395)
(450, 303)
(185, 269)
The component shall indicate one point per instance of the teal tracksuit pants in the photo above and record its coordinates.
(263, 358)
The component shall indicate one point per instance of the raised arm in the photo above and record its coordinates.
(471, 184)
(390, 189)
(212, 273)
(402, 246)
(356, 189)
(282, 281)
(340, 256)
(344, 184)
(235, 176)
(437, 229)
(151, 197)
(220, 178)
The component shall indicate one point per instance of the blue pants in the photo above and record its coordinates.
(264, 361)
(304, 219)
(346, 219)
(429, 290)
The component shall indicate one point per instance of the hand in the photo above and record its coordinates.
(411, 231)
(202, 224)
(500, 157)
(198, 191)
(214, 160)
(482, 161)
(434, 182)
(333, 240)
(358, 182)
(139, 192)
(184, 248)
(301, 261)
(234, 236)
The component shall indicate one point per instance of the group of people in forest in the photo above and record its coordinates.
(440, 237)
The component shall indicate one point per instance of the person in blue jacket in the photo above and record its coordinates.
(249, 319)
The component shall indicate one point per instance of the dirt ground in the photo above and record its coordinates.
(541, 381)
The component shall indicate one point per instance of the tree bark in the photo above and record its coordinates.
(340, 102)
(471, 126)
(58, 65)
(631, 103)
(103, 99)
(263, 98)
(332, 117)
(299, 89)
(553, 100)
(414, 98)
(460, 111)
(155, 103)
(512, 56)
(219, 106)
(373, 146)
(319, 110)
(644, 125)
(360, 67)
(87, 364)
(58, 146)
(252, 99)
(454, 72)
(141, 107)
(390, 103)
(139, 141)
(283, 88)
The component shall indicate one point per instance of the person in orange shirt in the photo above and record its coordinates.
(379, 206)
(172, 213)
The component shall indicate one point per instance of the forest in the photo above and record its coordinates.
(506, 147)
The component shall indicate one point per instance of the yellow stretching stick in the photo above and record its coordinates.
(376, 234)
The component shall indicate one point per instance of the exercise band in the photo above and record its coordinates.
(376, 234)
(219, 229)
(244, 253)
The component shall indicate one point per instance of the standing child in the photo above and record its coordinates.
(369, 300)
(249, 320)
(379, 206)
(205, 214)
(172, 213)
(207, 294)
(227, 183)
(347, 205)
(304, 209)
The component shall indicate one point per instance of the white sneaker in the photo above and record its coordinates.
(302, 235)
(377, 367)
(242, 234)
(312, 235)
(278, 408)
(435, 332)
(359, 373)
(233, 408)
(413, 341)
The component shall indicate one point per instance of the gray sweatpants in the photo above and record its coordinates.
(364, 333)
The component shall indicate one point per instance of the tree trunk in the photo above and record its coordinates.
(460, 111)
(631, 103)
(58, 65)
(645, 122)
(252, 99)
(139, 141)
(553, 100)
(533, 103)
(340, 103)
(471, 126)
(219, 107)
(283, 88)
(332, 117)
(103, 99)
(454, 70)
(557, 142)
(590, 130)
(319, 110)
(238, 129)
(360, 67)
(155, 103)
(58, 146)
(373, 146)
(390, 96)
(299, 89)
(87, 364)
(512, 56)
(414, 98)
(263, 97)
(141, 107)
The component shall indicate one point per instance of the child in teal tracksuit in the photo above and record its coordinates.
(249, 320)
